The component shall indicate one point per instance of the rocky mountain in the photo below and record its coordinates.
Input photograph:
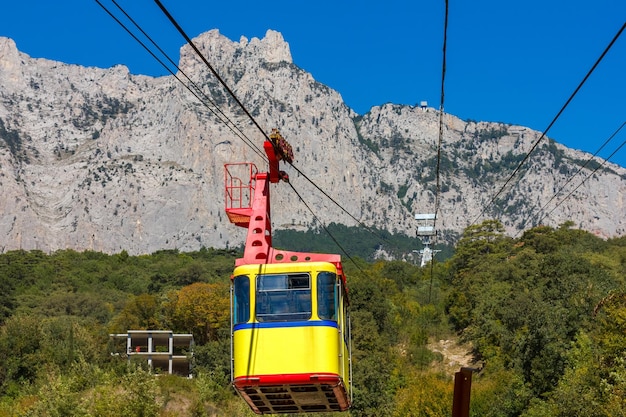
(100, 159)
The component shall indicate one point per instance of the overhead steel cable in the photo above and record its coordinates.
(226, 120)
(208, 64)
(326, 229)
(196, 91)
(441, 110)
(336, 203)
(199, 90)
(571, 178)
(230, 91)
(545, 132)
(586, 178)
(439, 140)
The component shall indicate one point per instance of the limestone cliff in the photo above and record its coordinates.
(100, 159)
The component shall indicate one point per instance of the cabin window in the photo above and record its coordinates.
(241, 305)
(327, 298)
(283, 297)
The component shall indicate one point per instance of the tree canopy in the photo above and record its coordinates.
(543, 316)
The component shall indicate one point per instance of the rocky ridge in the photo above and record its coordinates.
(101, 159)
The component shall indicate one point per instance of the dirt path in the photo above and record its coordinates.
(455, 355)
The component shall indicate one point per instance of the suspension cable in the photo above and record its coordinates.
(439, 142)
(221, 80)
(585, 179)
(441, 114)
(326, 229)
(545, 132)
(571, 178)
(206, 62)
(196, 91)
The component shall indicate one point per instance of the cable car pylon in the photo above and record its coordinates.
(426, 230)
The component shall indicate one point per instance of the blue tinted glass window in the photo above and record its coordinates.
(283, 297)
(241, 305)
(327, 297)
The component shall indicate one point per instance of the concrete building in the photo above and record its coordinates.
(164, 350)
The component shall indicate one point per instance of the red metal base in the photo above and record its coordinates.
(298, 393)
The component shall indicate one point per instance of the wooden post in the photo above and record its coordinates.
(462, 390)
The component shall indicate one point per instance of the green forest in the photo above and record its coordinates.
(541, 319)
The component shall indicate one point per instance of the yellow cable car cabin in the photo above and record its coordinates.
(290, 337)
(290, 321)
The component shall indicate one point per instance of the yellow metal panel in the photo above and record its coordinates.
(287, 350)
(273, 349)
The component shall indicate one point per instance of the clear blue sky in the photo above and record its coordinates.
(507, 61)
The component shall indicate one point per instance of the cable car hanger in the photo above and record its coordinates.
(290, 327)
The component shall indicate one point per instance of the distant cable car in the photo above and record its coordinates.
(290, 321)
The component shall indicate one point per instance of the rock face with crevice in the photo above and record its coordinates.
(100, 159)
